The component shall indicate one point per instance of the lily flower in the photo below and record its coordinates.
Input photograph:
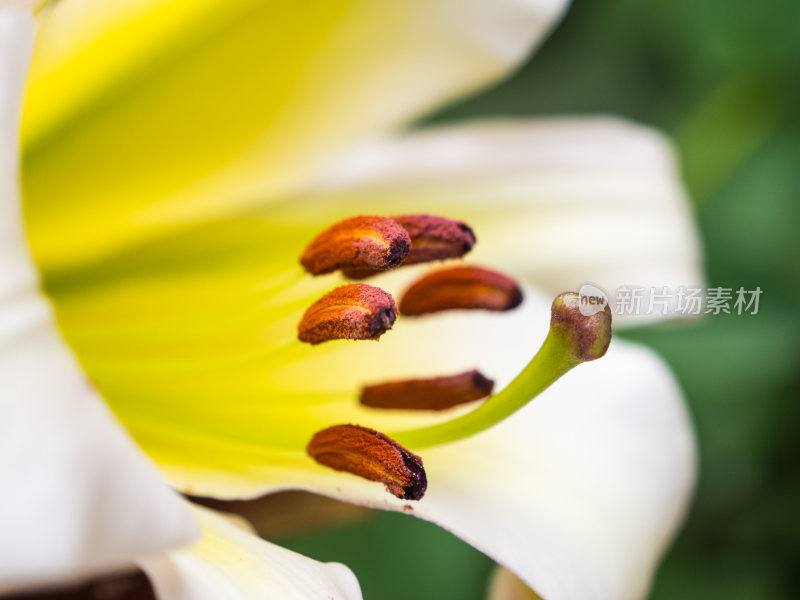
(180, 159)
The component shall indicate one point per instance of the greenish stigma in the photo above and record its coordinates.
(578, 333)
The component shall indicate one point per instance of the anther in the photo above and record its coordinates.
(463, 287)
(436, 238)
(372, 243)
(432, 238)
(356, 311)
(371, 455)
(436, 393)
(585, 330)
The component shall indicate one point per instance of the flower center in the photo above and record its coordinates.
(218, 351)
(364, 246)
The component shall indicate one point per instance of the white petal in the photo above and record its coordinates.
(77, 495)
(561, 201)
(228, 101)
(231, 563)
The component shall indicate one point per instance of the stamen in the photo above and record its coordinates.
(432, 238)
(373, 243)
(436, 393)
(356, 311)
(371, 455)
(436, 238)
(574, 338)
(463, 287)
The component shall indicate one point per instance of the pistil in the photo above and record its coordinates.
(574, 338)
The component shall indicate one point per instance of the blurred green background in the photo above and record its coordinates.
(723, 79)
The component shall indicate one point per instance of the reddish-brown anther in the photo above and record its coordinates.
(371, 455)
(432, 238)
(356, 311)
(436, 393)
(462, 287)
(371, 243)
(436, 238)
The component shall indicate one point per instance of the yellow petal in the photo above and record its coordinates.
(143, 114)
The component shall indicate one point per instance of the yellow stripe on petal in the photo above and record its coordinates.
(141, 115)
(131, 104)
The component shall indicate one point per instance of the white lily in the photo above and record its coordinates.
(577, 494)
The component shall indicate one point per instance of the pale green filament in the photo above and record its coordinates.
(553, 360)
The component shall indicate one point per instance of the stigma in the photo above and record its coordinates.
(586, 334)
(372, 456)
